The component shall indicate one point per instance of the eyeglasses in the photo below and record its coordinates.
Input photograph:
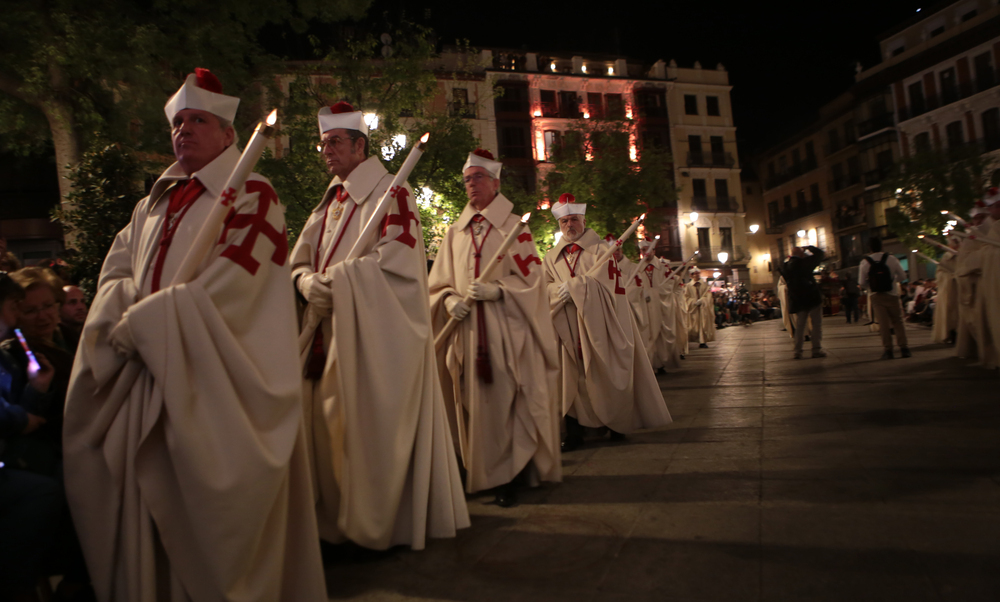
(476, 177)
(332, 142)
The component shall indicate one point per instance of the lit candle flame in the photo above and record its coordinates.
(920, 235)
(525, 217)
(425, 138)
(272, 118)
(643, 216)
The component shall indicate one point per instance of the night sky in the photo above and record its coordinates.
(784, 59)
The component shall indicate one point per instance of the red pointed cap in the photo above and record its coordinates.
(482, 152)
(207, 80)
(610, 237)
(566, 198)
(341, 107)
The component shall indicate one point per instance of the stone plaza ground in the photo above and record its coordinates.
(842, 478)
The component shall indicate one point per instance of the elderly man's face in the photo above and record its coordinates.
(480, 186)
(340, 153)
(572, 227)
(198, 138)
(74, 309)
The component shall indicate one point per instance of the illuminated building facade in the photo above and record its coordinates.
(685, 111)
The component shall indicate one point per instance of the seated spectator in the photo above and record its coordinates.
(38, 319)
(30, 504)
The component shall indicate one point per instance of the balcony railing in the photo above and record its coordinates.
(838, 184)
(737, 254)
(879, 122)
(984, 81)
(715, 204)
(791, 173)
(462, 109)
(846, 220)
(710, 160)
(876, 176)
(800, 211)
(549, 109)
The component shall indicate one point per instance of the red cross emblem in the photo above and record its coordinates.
(525, 264)
(403, 218)
(614, 272)
(257, 223)
(229, 197)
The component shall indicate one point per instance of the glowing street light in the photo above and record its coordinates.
(754, 228)
(694, 216)
(801, 233)
(723, 256)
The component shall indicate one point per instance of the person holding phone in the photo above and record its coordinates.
(30, 504)
(38, 319)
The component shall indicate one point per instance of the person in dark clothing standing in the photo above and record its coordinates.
(851, 292)
(805, 300)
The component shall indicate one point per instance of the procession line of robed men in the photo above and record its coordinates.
(968, 283)
(216, 428)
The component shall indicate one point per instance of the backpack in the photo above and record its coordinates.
(879, 275)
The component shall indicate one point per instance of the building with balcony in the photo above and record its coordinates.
(936, 85)
(523, 106)
(945, 85)
(686, 111)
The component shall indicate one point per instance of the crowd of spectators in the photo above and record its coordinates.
(756, 306)
(37, 537)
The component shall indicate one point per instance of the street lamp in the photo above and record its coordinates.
(694, 216)
(801, 233)
(754, 228)
(723, 256)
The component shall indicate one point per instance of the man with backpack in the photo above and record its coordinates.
(879, 273)
(805, 299)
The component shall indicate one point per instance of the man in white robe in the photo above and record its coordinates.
(988, 289)
(634, 290)
(970, 340)
(700, 310)
(606, 377)
(659, 331)
(185, 459)
(499, 367)
(383, 459)
(670, 311)
(946, 303)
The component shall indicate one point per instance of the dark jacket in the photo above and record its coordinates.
(803, 290)
(40, 451)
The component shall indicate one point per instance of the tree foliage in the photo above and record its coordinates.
(394, 82)
(930, 182)
(72, 67)
(107, 184)
(594, 163)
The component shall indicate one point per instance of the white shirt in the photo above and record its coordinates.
(898, 275)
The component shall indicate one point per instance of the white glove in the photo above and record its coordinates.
(121, 339)
(316, 290)
(698, 303)
(564, 295)
(456, 307)
(484, 291)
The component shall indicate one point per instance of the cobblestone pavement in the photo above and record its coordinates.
(842, 478)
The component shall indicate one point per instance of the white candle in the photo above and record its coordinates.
(383, 205)
(208, 235)
(485, 276)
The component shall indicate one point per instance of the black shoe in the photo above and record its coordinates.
(506, 495)
(615, 436)
(703, 346)
(571, 442)
(887, 355)
(904, 351)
